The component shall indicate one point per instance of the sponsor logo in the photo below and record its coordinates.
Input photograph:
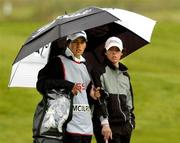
(81, 86)
(79, 13)
(81, 108)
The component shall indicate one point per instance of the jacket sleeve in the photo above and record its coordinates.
(131, 109)
(101, 106)
(52, 77)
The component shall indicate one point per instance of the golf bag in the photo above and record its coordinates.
(51, 116)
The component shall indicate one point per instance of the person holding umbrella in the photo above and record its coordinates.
(67, 72)
(113, 80)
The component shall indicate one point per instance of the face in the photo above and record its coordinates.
(77, 46)
(114, 55)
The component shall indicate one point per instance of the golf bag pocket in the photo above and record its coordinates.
(57, 113)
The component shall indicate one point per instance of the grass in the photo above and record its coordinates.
(154, 73)
(155, 76)
(16, 105)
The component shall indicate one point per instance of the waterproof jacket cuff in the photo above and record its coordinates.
(104, 121)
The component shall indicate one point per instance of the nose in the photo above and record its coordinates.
(113, 52)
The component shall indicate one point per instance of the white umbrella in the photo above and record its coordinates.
(139, 24)
(134, 30)
(24, 73)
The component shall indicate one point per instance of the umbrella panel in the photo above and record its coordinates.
(24, 73)
(96, 40)
(64, 29)
(98, 29)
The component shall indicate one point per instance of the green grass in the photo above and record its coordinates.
(17, 105)
(154, 73)
(155, 76)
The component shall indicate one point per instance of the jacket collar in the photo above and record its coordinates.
(70, 55)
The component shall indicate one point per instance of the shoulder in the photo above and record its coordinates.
(54, 61)
(54, 64)
(123, 67)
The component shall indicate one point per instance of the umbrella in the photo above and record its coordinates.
(24, 73)
(134, 29)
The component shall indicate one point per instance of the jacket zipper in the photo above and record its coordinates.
(121, 108)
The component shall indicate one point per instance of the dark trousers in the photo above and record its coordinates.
(76, 138)
(120, 134)
(116, 138)
(120, 139)
(97, 133)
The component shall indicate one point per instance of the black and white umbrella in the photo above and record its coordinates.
(134, 30)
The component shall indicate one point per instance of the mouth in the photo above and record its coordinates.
(78, 50)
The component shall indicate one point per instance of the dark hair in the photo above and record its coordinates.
(104, 50)
(67, 43)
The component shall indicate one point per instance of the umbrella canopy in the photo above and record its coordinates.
(63, 26)
(24, 73)
(134, 30)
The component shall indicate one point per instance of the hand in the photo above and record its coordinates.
(106, 132)
(94, 92)
(76, 88)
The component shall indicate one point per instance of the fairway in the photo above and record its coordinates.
(154, 71)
